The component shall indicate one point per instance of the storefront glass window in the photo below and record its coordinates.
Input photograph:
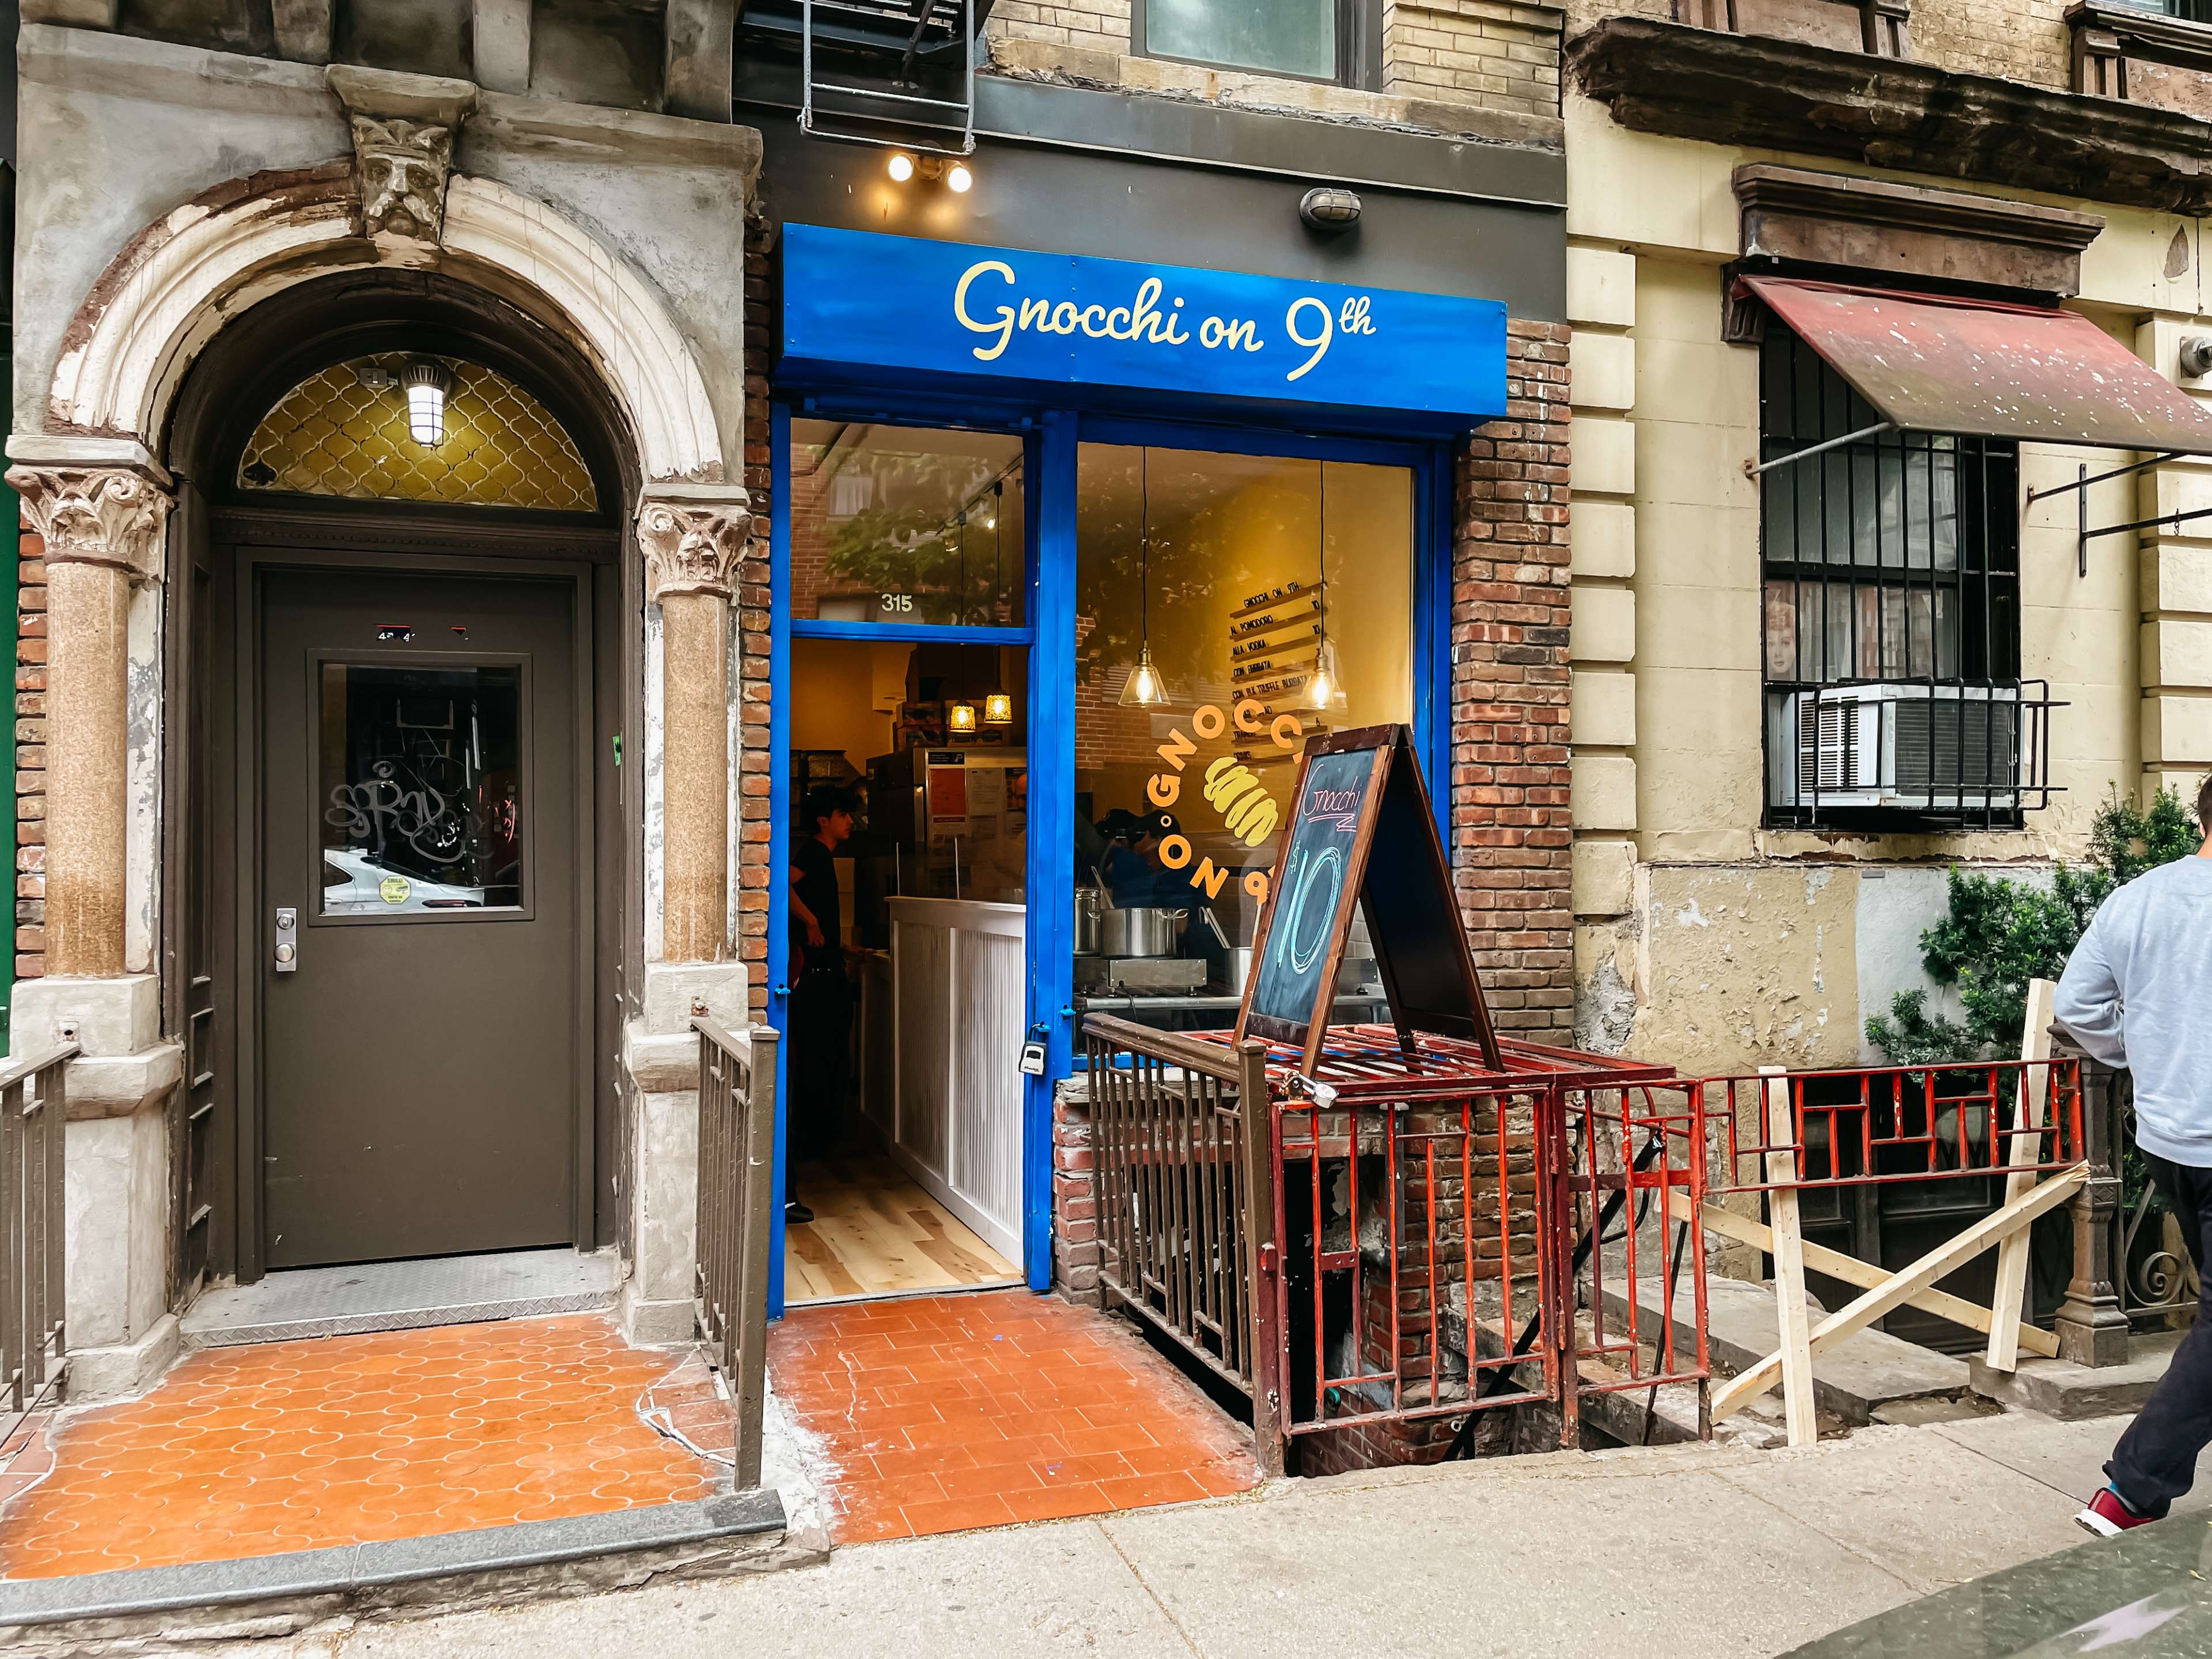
(1234, 579)
(421, 789)
(905, 525)
(1290, 37)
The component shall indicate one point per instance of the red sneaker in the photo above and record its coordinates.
(2108, 1516)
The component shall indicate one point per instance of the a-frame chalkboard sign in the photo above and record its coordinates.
(1361, 829)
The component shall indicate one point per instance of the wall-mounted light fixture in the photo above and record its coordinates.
(428, 381)
(936, 169)
(1329, 207)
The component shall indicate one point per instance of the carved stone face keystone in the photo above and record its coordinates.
(402, 166)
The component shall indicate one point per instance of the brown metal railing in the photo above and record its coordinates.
(1185, 1202)
(33, 1334)
(736, 1208)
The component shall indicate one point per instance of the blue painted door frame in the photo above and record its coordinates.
(1050, 441)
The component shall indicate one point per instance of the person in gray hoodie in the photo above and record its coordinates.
(2137, 992)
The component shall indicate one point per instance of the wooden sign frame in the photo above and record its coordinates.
(1412, 915)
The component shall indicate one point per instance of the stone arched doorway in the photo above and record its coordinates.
(395, 660)
(205, 319)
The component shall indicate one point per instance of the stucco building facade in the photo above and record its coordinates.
(1719, 926)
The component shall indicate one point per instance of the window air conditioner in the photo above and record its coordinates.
(1915, 747)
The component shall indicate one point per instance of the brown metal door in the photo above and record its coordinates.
(420, 826)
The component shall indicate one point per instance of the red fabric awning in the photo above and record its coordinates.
(1982, 368)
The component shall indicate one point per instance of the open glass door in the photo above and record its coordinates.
(900, 871)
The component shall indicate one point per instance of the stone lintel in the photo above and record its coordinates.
(1874, 225)
(1681, 81)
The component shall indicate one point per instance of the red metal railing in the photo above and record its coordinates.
(1870, 1126)
(1399, 1218)
(1622, 1152)
(1440, 1223)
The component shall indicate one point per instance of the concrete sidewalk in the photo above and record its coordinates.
(1684, 1550)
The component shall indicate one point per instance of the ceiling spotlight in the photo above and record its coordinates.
(959, 179)
(900, 167)
(427, 381)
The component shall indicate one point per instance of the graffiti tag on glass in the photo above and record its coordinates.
(380, 808)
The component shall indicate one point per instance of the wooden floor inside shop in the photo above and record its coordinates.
(875, 1233)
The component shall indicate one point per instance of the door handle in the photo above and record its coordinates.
(285, 951)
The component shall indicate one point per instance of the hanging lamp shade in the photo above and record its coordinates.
(1324, 686)
(1144, 689)
(998, 709)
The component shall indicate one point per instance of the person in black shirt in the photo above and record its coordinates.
(821, 995)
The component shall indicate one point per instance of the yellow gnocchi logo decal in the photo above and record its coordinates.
(1248, 811)
(1231, 790)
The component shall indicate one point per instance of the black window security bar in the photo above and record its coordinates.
(1890, 616)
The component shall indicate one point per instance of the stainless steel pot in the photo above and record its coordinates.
(1142, 931)
(1090, 930)
(1238, 968)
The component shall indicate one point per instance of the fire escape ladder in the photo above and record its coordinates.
(897, 73)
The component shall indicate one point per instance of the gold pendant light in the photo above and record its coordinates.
(1324, 687)
(1145, 687)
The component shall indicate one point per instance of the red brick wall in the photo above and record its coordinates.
(1074, 1204)
(754, 759)
(31, 759)
(1511, 831)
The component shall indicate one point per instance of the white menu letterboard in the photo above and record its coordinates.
(1362, 831)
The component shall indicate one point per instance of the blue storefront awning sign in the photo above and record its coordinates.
(859, 306)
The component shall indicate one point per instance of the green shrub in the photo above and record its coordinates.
(1999, 934)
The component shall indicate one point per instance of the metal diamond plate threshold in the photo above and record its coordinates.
(403, 1295)
(278, 1594)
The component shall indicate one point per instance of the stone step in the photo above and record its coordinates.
(1865, 1372)
(2061, 1389)
(402, 1296)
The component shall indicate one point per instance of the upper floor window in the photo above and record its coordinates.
(2196, 11)
(1891, 615)
(1313, 39)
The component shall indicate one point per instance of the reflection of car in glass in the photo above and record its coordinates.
(355, 885)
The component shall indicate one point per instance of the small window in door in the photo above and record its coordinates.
(420, 788)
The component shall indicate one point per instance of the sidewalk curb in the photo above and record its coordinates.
(276, 1594)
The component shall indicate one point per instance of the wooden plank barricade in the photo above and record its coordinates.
(1940, 1122)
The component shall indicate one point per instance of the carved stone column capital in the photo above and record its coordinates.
(694, 538)
(100, 514)
(404, 127)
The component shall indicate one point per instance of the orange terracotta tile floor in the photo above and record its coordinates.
(351, 1439)
(940, 1413)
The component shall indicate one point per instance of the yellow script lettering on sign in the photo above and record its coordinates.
(1141, 319)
